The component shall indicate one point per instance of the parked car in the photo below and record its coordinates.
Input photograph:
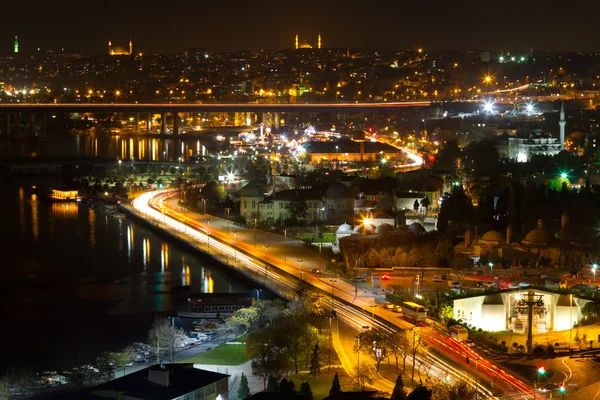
(436, 279)
(385, 277)
(389, 305)
(453, 284)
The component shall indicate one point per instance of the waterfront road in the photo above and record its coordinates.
(272, 260)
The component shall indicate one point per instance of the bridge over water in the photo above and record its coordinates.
(37, 112)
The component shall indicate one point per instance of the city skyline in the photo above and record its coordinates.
(270, 25)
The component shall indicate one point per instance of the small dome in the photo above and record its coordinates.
(337, 191)
(538, 238)
(491, 238)
(344, 228)
(416, 228)
(383, 228)
(305, 45)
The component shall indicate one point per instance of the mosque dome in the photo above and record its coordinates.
(491, 238)
(538, 237)
(383, 228)
(344, 228)
(305, 45)
(337, 191)
(416, 228)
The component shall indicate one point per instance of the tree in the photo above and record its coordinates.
(293, 329)
(361, 378)
(272, 385)
(287, 386)
(447, 156)
(311, 336)
(375, 340)
(271, 309)
(244, 389)
(315, 363)
(306, 392)
(105, 363)
(163, 338)
(399, 393)
(460, 391)
(267, 348)
(414, 341)
(420, 393)
(297, 209)
(243, 319)
(335, 386)
(397, 345)
(425, 203)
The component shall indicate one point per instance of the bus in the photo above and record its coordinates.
(414, 311)
(459, 333)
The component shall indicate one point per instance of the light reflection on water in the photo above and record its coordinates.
(102, 258)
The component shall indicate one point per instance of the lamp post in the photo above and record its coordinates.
(299, 262)
(258, 293)
(254, 232)
(333, 281)
(285, 245)
(266, 246)
(208, 240)
(228, 220)
(594, 267)
(491, 265)
(373, 307)
(320, 245)
(234, 247)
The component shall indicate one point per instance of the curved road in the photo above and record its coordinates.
(272, 260)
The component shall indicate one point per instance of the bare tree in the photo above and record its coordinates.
(397, 346)
(361, 378)
(164, 338)
(415, 344)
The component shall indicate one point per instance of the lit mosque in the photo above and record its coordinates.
(120, 51)
(305, 44)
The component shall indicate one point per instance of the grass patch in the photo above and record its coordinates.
(327, 238)
(227, 354)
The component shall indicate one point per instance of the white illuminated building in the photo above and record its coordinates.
(521, 149)
(507, 310)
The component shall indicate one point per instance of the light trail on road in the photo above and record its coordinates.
(289, 285)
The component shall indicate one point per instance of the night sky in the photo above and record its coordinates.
(170, 26)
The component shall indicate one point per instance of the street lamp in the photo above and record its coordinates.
(285, 245)
(299, 262)
(333, 281)
(594, 267)
(373, 307)
(258, 293)
(491, 265)
(117, 94)
(254, 232)
(228, 221)
(320, 245)
(266, 246)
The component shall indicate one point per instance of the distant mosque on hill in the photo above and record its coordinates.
(120, 51)
(305, 44)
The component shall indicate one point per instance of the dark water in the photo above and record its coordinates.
(75, 282)
(124, 147)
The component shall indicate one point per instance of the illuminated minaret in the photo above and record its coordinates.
(296, 40)
(130, 47)
(109, 47)
(16, 44)
(562, 124)
(319, 40)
